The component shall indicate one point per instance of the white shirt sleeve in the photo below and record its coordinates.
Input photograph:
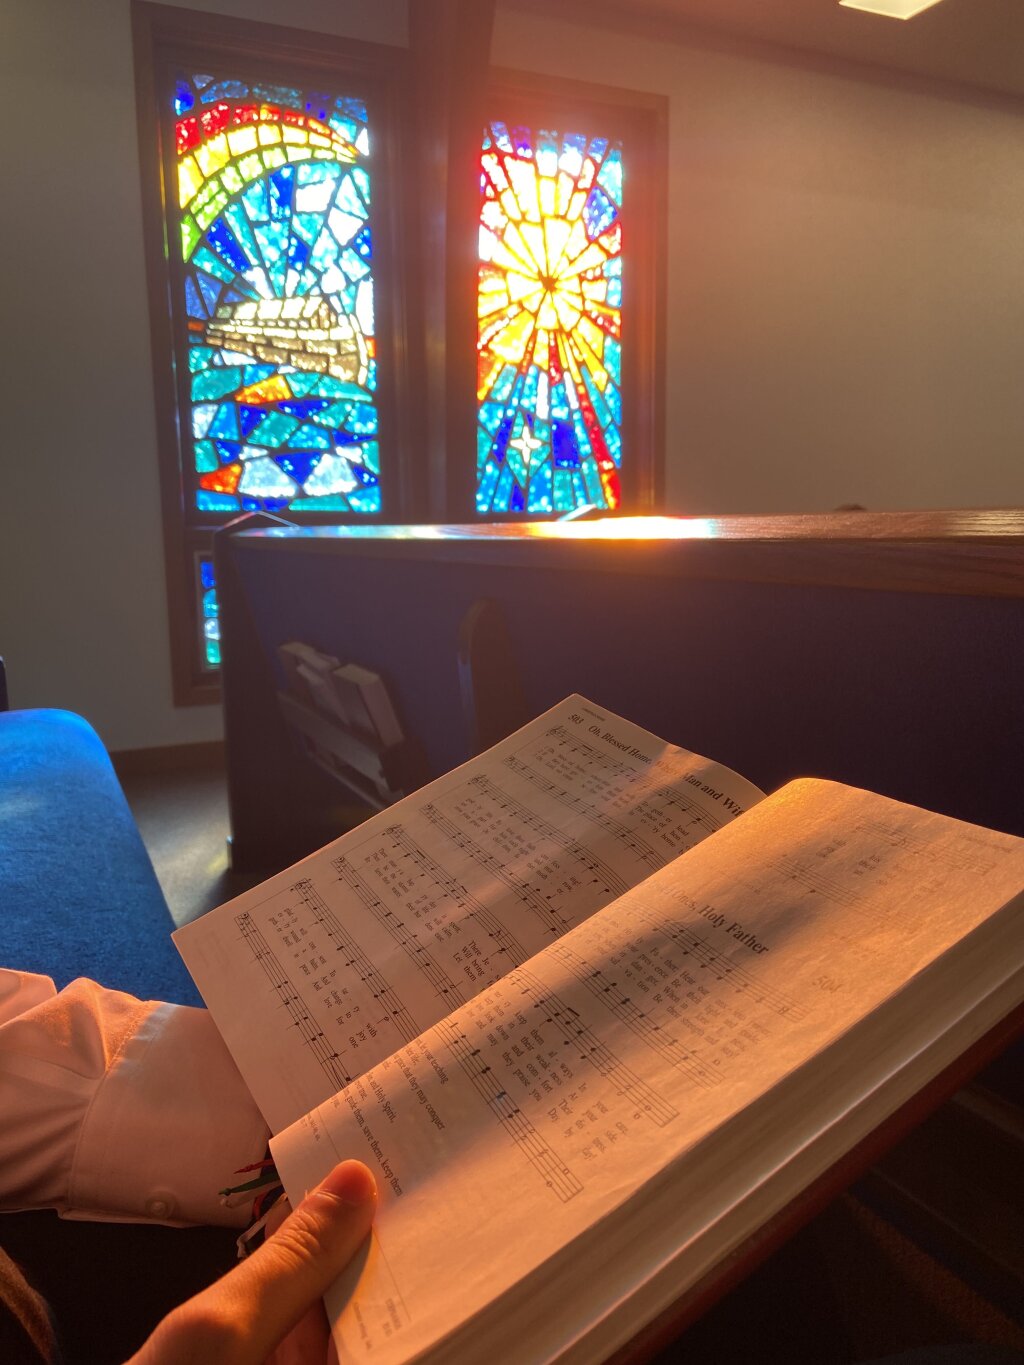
(114, 1108)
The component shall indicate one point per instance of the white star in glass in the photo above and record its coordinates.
(526, 443)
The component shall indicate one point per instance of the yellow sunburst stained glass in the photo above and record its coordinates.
(549, 321)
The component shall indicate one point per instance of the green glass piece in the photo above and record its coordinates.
(190, 236)
(595, 492)
(274, 430)
(250, 167)
(255, 374)
(199, 357)
(311, 437)
(334, 502)
(206, 457)
(563, 494)
(338, 413)
(213, 265)
(215, 383)
(371, 456)
(365, 500)
(349, 199)
(362, 181)
(303, 384)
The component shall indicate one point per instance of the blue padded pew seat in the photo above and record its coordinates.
(78, 894)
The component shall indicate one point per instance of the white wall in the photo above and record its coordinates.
(845, 295)
(83, 618)
(844, 301)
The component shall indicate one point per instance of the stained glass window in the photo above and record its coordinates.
(277, 289)
(549, 296)
(210, 613)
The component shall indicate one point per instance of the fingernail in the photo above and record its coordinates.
(350, 1182)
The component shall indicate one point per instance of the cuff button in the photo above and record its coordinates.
(160, 1205)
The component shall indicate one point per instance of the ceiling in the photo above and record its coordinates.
(978, 43)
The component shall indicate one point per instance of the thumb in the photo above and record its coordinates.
(240, 1319)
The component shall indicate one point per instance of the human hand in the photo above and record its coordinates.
(267, 1309)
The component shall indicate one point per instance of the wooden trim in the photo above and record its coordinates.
(449, 44)
(977, 554)
(204, 756)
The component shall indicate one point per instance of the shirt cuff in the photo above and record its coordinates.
(168, 1128)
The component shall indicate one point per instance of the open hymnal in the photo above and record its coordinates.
(594, 1009)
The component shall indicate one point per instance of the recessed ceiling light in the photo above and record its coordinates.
(893, 9)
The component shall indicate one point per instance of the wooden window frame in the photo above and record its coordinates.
(166, 37)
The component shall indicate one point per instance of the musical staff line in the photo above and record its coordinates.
(504, 942)
(652, 780)
(553, 921)
(313, 1036)
(553, 1171)
(820, 882)
(727, 968)
(655, 1035)
(406, 938)
(604, 872)
(343, 942)
(955, 856)
(591, 1049)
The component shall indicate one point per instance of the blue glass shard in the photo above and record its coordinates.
(517, 503)
(206, 573)
(501, 440)
(304, 408)
(541, 491)
(225, 90)
(193, 303)
(355, 108)
(362, 243)
(216, 502)
(364, 477)
(282, 189)
(223, 241)
(299, 463)
(598, 212)
(264, 504)
(210, 289)
(229, 451)
(249, 419)
(563, 440)
(298, 253)
(486, 490)
(610, 175)
(365, 499)
(346, 438)
(523, 139)
(225, 425)
(183, 98)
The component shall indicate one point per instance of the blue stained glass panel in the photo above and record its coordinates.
(278, 282)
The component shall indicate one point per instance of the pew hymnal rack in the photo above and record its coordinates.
(594, 1010)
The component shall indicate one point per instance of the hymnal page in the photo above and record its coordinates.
(331, 966)
(546, 1104)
